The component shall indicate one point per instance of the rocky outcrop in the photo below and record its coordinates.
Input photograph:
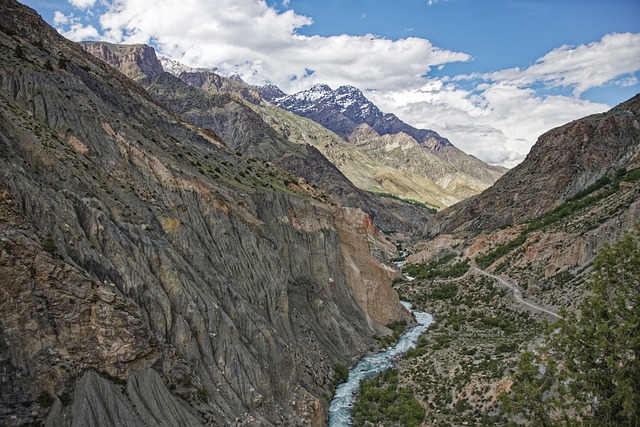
(133, 240)
(135, 61)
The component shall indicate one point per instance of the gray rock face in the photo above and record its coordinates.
(145, 402)
(97, 402)
(132, 239)
(155, 403)
(135, 61)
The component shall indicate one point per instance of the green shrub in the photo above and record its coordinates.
(45, 399)
(340, 373)
(202, 395)
(19, 52)
(63, 62)
(49, 245)
(65, 398)
(443, 292)
(382, 400)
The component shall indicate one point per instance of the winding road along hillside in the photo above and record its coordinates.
(517, 293)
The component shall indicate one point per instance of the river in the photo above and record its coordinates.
(369, 366)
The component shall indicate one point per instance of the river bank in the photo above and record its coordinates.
(371, 365)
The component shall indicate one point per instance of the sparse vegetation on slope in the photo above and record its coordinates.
(459, 365)
(598, 191)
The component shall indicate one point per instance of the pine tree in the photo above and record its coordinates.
(588, 372)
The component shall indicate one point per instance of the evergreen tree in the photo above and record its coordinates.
(588, 372)
(19, 52)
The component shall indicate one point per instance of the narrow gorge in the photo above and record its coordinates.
(181, 248)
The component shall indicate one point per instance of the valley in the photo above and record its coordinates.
(178, 247)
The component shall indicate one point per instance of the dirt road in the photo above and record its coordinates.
(517, 293)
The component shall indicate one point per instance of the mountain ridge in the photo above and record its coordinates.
(346, 111)
(563, 162)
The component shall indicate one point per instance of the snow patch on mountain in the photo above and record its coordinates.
(174, 67)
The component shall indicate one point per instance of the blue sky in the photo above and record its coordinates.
(490, 75)
(498, 34)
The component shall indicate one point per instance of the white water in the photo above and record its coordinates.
(369, 366)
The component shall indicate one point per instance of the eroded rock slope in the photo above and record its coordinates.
(153, 276)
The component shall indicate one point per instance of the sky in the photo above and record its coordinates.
(489, 75)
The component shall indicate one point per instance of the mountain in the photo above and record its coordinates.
(367, 172)
(562, 163)
(344, 109)
(235, 112)
(577, 189)
(151, 275)
(383, 166)
(348, 113)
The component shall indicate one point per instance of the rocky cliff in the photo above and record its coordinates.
(153, 276)
(135, 61)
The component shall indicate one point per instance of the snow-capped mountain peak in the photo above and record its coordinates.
(347, 100)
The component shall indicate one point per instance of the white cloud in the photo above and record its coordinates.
(70, 27)
(582, 67)
(82, 4)
(78, 31)
(495, 116)
(60, 18)
(499, 116)
(432, 2)
(261, 44)
(498, 122)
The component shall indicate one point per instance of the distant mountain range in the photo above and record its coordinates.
(343, 110)
(416, 153)
(383, 154)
